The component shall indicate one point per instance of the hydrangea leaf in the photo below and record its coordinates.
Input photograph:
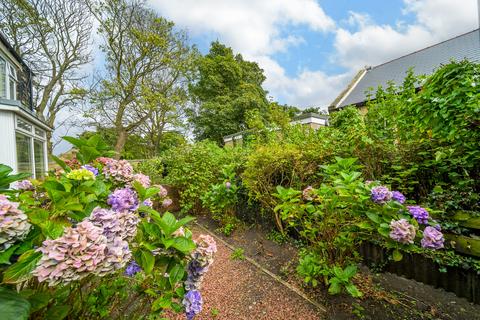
(13, 306)
(21, 270)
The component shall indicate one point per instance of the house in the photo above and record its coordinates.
(23, 136)
(424, 61)
(312, 120)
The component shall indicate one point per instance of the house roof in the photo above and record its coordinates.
(310, 115)
(14, 53)
(424, 61)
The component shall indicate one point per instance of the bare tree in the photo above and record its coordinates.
(53, 37)
(146, 59)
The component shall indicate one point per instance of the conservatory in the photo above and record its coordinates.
(23, 136)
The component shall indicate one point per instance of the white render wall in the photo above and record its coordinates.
(8, 154)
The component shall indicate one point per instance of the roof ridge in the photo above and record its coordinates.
(428, 47)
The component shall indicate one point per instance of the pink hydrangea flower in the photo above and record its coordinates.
(308, 193)
(402, 231)
(167, 202)
(118, 170)
(163, 191)
(142, 179)
(14, 224)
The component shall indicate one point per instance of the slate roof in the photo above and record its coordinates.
(424, 61)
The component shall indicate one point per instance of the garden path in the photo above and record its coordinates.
(239, 290)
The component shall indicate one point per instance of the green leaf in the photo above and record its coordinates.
(183, 222)
(184, 245)
(350, 271)
(374, 217)
(5, 255)
(176, 274)
(169, 220)
(353, 290)
(39, 300)
(57, 312)
(163, 302)
(335, 287)
(397, 255)
(21, 270)
(13, 306)
(147, 261)
(61, 163)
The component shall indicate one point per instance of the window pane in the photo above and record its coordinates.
(24, 125)
(39, 132)
(24, 153)
(38, 149)
(13, 89)
(3, 78)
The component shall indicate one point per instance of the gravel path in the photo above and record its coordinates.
(237, 290)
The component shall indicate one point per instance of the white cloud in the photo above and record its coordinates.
(372, 44)
(251, 27)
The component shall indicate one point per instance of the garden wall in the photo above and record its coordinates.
(464, 283)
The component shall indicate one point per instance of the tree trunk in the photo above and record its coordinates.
(49, 143)
(121, 140)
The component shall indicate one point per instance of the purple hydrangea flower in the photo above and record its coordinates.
(91, 169)
(432, 238)
(132, 269)
(148, 202)
(123, 199)
(381, 194)
(402, 231)
(398, 196)
(419, 213)
(228, 184)
(163, 191)
(192, 301)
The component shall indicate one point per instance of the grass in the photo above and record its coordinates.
(238, 254)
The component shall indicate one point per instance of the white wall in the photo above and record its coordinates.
(7, 139)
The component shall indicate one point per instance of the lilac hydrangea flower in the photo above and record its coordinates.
(419, 213)
(163, 191)
(432, 238)
(201, 260)
(192, 301)
(24, 185)
(123, 199)
(228, 184)
(398, 196)
(381, 194)
(402, 231)
(90, 168)
(132, 269)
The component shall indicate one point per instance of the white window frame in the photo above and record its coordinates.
(6, 77)
(12, 75)
(32, 136)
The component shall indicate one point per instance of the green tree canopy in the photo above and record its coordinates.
(228, 96)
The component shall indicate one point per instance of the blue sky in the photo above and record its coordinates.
(310, 49)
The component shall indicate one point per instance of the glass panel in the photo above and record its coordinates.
(39, 132)
(13, 89)
(24, 153)
(24, 125)
(38, 148)
(3, 78)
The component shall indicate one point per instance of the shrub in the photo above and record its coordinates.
(80, 229)
(343, 211)
(291, 160)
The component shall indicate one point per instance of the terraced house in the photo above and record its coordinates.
(22, 134)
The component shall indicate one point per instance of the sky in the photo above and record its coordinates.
(310, 49)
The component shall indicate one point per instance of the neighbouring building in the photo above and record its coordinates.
(424, 61)
(312, 120)
(22, 134)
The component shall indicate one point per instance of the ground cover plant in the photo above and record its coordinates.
(86, 243)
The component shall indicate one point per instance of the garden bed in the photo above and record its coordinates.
(386, 295)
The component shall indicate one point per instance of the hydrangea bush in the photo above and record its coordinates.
(334, 218)
(79, 229)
